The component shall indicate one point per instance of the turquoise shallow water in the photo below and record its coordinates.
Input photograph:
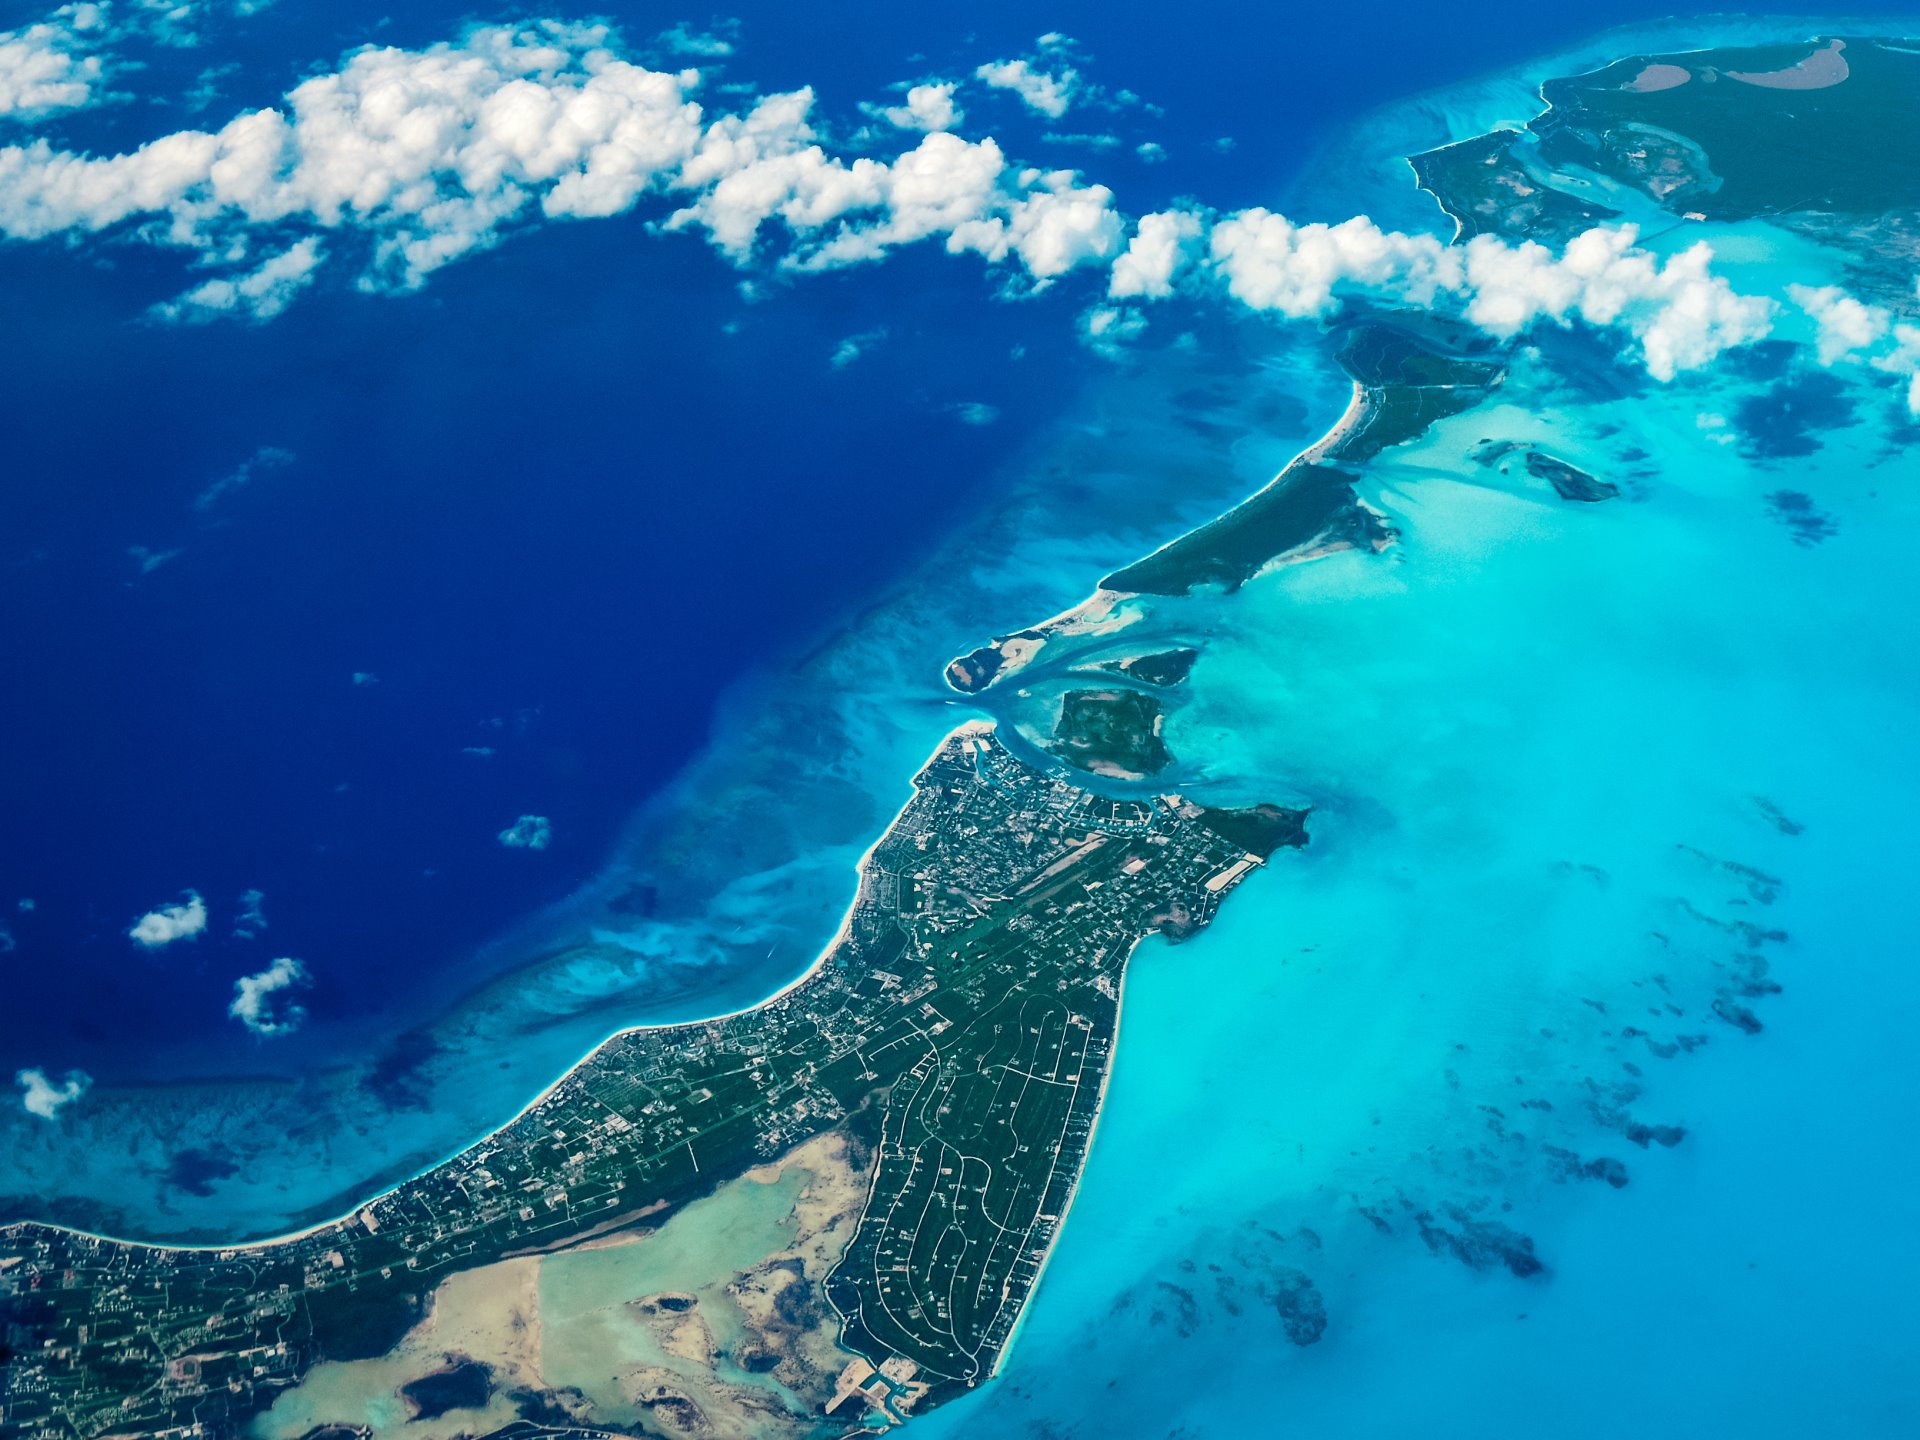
(1572, 766)
(1534, 734)
(747, 860)
(1555, 753)
(1538, 738)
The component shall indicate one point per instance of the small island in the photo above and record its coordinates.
(1112, 733)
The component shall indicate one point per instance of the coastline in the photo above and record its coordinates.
(1096, 608)
(1094, 614)
(1093, 1138)
(1122, 1346)
(973, 726)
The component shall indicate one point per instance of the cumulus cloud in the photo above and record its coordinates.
(45, 1098)
(1164, 245)
(401, 161)
(45, 68)
(1096, 141)
(928, 107)
(62, 62)
(1680, 313)
(427, 153)
(854, 346)
(252, 918)
(937, 187)
(259, 294)
(1058, 225)
(260, 1003)
(1847, 330)
(683, 39)
(529, 832)
(766, 168)
(158, 928)
(974, 412)
(1049, 93)
(267, 457)
(1108, 329)
(1904, 359)
(764, 164)
(1844, 325)
(1270, 263)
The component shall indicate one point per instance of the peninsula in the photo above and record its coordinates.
(956, 1035)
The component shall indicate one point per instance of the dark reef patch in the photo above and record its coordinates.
(756, 1360)
(639, 900)
(463, 1385)
(1608, 1103)
(1251, 1270)
(199, 1169)
(1787, 420)
(799, 1306)
(1479, 1244)
(1175, 1305)
(1303, 1314)
(1777, 817)
(395, 1079)
(1796, 511)
(1568, 1165)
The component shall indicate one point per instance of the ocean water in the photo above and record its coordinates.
(1534, 735)
(1572, 768)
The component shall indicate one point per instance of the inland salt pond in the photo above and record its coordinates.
(585, 1321)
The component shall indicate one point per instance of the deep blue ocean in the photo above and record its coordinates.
(549, 508)
(594, 528)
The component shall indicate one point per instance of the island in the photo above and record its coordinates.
(1797, 135)
(955, 1040)
(1408, 371)
(928, 1091)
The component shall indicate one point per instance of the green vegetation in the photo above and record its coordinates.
(1815, 137)
(1111, 732)
(1486, 185)
(1407, 379)
(960, 1028)
(1732, 148)
(1164, 668)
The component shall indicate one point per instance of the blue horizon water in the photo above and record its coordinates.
(583, 631)
(1533, 735)
(427, 533)
(1550, 749)
(440, 557)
